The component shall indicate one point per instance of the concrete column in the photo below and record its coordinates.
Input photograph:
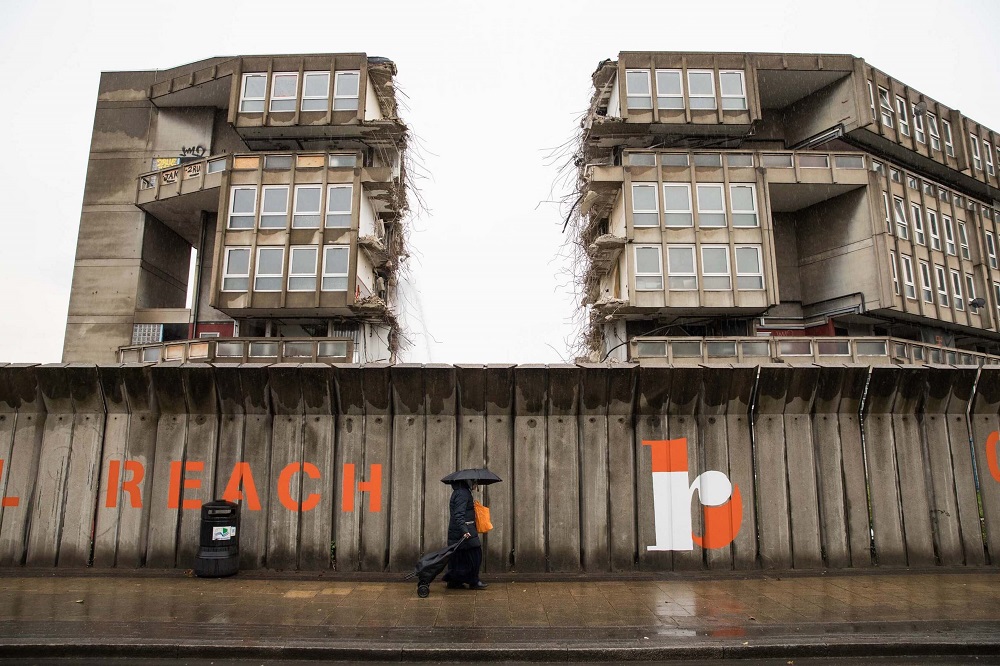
(499, 404)
(908, 412)
(653, 389)
(440, 383)
(409, 427)
(683, 422)
(530, 398)
(318, 448)
(22, 423)
(292, 483)
(375, 532)
(171, 437)
(621, 404)
(594, 443)
(563, 468)
(350, 408)
(985, 438)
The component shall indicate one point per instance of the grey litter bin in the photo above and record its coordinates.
(219, 549)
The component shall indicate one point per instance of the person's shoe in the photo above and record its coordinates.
(455, 586)
(478, 585)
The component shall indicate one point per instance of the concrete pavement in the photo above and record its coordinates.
(65, 613)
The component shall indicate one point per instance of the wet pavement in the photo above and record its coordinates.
(940, 614)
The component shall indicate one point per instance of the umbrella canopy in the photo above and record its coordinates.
(482, 476)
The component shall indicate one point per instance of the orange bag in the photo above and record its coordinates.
(483, 524)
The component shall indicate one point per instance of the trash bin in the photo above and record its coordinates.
(219, 548)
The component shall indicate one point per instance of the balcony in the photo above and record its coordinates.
(690, 351)
(177, 195)
(242, 350)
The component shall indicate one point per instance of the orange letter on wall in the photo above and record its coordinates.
(241, 474)
(991, 455)
(131, 486)
(174, 493)
(373, 486)
(285, 486)
(8, 501)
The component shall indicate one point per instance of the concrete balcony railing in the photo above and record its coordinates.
(185, 178)
(242, 350)
(799, 351)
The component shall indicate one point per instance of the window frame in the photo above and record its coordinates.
(720, 187)
(887, 208)
(970, 287)
(337, 96)
(904, 121)
(658, 274)
(895, 273)
(933, 229)
(885, 104)
(949, 235)
(932, 128)
(228, 275)
(988, 157)
(963, 240)
(329, 275)
(949, 141)
(702, 96)
(743, 87)
(991, 250)
(682, 275)
(899, 215)
(977, 158)
(926, 285)
(736, 214)
(257, 275)
(660, 97)
(263, 198)
(745, 274)
(243, 93)
(705, 275)
(918, 225)
(293, 98)
(305, 85)
(919, 131)
(644, 212)
(329, 200)
(647, 96)
(942, 286)
(292, 250)
(956, 290)
(667, 213)
(232, 203)
(318, 213)
(909, 286)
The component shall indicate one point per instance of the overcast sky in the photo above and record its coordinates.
(491, 90)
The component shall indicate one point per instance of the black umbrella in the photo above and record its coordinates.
(429, 566)
(482, 476)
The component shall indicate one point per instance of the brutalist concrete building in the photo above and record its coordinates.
(744, 207)
(244, 208)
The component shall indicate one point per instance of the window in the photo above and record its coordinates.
(739, 159)
(677, 204)
(701, 88)
(777, 160)
(871, 99)
(932, 125)
(949, 235)
(944, 194)
(895, 176)
(642, 159)
(674, 159)
(910, 287)
(925, 282)
(918, 225)
(335, 263)
(680, 268)
(902, 227)
(715, 268)
(878, 167)
(711, 206)
(814, 161)
(236, 269)
(216, 166)
(956, 290)
(932, 226)
(345, 91)
(648, 273)
(749, 271)
(645, 212)
(885, 209)
(274, 207)
(242, 207)
(278, 162)
(306, 213)
(270, 262)
(315, 91)
(970, 289)
(284, 90)
(708, 159)
(895, 275)
(988, 156)
(949, 147)
(252, 93)
(991, 249)
(343, 160)
(963, 239)
(942, 287)
(929, 189)
(912, 183)
(302, 268)
(918, 125)
(669, 92)
(338, 206)
(733, 91)
(637, 94)
(743, 200)
(886, 106)
(977, 161)
(904, 123)
(849, 161)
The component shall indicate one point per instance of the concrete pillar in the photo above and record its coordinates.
(350, 408)
(318, 448)
(375, 527)
(594, 443)
(22, 423)
(499, 403)
(409, 427)
(682, 422)
(441, 387)
(530, 398)
(562, 501)
(985, 438)
(171, 437)
(622, 444)
(653, 388)
(293, 485)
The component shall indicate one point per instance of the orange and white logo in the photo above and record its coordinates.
(673, 494)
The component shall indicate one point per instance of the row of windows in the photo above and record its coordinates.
(888, 114)
(987, 154)
(949, 291)
(710, 199)
(699, 92)
(805, 160)
(269, 274)
(300, 161)
(683, 271)
(285, 91)
(931, 189)
(920, 232)
(307, 207)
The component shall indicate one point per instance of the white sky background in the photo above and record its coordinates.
(491, 91)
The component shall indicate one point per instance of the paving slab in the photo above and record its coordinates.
(55, 614)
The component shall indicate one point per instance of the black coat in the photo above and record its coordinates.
(462, 511)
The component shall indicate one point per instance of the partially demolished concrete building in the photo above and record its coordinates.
(752, 207)
(244, 208)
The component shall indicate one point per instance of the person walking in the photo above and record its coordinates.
(463, 567)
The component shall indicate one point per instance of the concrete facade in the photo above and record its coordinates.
(728, 194)
(277, 184)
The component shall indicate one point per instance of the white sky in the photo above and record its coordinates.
(492, 89)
